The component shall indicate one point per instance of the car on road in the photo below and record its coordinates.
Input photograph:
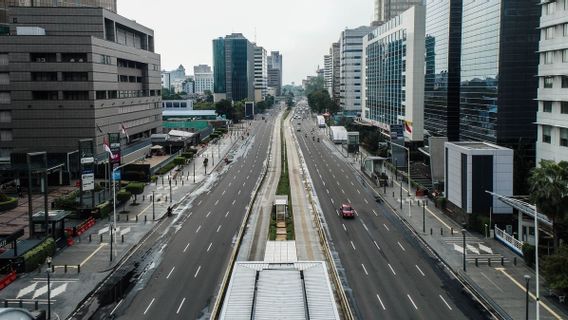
(346, 211)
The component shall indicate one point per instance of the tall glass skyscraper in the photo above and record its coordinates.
(442, 81)
(498, 68)
(233, 68)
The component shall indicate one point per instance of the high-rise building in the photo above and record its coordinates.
(275, 72)
(105, 4)
(233, 68)
(75, 73)
(385, 10)
(442, 68)
(351, 51)
(336, 72)
(260, 74)
(173, 78)
(552, 116)
(328, 73)
(393, 71)
(203, 77)
(498, 68)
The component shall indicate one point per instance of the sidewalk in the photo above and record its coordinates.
(495, 276)
(89, 262)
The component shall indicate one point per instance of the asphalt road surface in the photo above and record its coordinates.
(389, 274)
(192, 264)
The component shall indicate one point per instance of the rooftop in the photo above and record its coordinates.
(475, 145)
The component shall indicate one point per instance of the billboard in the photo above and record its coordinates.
(249, 110)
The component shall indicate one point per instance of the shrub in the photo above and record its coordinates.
(154, 178)
(8, 203)
(188, 154)
(68, 202)
(528, 254)
(104, 209)
(179, 161)
(135, 188)
(139, 176)
(122, 197)
(441, 202)
(33, 258)
(165, 169)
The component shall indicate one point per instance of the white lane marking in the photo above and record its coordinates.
(224, 191)
(218, 228)
(365, 226)
(353, 245)
(414, 304)
(197, 272)
(386, 227)
(239, 192)
(207, 215)
(227, 214)
(375, 212)
(148, 307)
(359, 192)
(233, 203)
(230, 183)
(235, 178)
(381, 301)
(199, 203)
(170, 273)
(348, 200)
(422, 273)
(344, 227)
(322, 181)
(364, 269)
(400, 245)
(364, 199)
(181, 304)
(332, 201)
(342, 191)
(352, 183)
(198, 228)
(392, 269)
(209, 248)
(376, 245)
(217, 202)
(187, 246)
(116, 307)
(327, 190)
(447, 305)
(336, 181)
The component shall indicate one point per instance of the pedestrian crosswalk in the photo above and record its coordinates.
(475, 249)
(37, 289)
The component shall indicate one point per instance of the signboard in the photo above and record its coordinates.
(396, 131)
(88, 181)
(87, 160)
(116, 175)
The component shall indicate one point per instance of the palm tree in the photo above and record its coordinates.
(548, 185)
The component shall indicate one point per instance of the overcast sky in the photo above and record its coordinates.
(302, 30)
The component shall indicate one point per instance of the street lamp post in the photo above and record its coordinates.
(170, 181)
(48, 260)
(153, 207)
(527, 279)
(408, 164)
(464, 253)
(194, 169)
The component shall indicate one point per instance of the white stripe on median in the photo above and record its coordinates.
(148, 307)
(169, 274)
(447, 305)
(422, 273)
(414, 304)
(381, 301)
(197, 272)
(181, 304)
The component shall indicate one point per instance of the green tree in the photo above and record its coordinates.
(319, 102)
(314, 84)
(208, 96)
(204, 105)
(554, 269)
(135, 188)
(224, 107)
(548, 186)
(122, 197)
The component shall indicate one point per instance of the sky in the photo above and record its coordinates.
(302, 30)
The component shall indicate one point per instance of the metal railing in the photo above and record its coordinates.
(509, 240)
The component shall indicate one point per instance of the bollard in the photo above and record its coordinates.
(452, 230)
(122, 238)
(21, 304)
(5, 303)
(136, 218)
(502, 261)
(52, 268)
(145, 218)
(393, 194)
(166, 198)
(515, 260)
(38, 268)
(78, 268)
(90, 238)
(176, 182)
(476, 263)
(182, 183)
(441, 231)
(430, 231)
(143, 197)
(489, 262)
(65, 269)
(36, 305)
(101, 238)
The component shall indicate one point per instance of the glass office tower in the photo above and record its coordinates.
(442, 66)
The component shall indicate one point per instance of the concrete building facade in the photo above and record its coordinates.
(393, 74)
(336, 72)
(91, 75)
(552, 115)
(351, 51)
(275, 72)
(260, 74)
(328, 73)
(203, 77)
(388, 9)
(233, 68)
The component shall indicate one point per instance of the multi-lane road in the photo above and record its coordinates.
(186, 278)
(388, 273)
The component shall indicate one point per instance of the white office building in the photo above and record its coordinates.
(552, 115)
(260, 73)
(351, 51)
(203, 78)
(393, 74)
(328, 73)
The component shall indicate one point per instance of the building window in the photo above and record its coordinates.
(74, 57)
(44, 76)
(4, 78)
(45, 95)
(546, 134)
(563, 137)
(105, 59)
(564, 81)
(3, 59)
(549, 33)
(43, 57)
(564, 107)
(548, 57)
(112, 94)
(565, 27)
(5, 98)
(75, 95)
(550, 8)
(565, 55)
(75, 76)
(101, 95)
(5, 116)
(548, 81)
(547, 106)
(6, 135)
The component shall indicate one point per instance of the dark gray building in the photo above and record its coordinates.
(275, 72)
(75, 73)
(388, 9)
(233, 68)
(442, 68)
(498, 68)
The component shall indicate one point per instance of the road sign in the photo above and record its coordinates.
(116, 175)
(88, 180)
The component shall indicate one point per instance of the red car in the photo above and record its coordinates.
(347, 211)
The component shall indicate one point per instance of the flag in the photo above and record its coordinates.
(123, 131)
(408, 126)
(99, 128)
(107, 148)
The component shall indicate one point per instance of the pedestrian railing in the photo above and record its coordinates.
(509, 241)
